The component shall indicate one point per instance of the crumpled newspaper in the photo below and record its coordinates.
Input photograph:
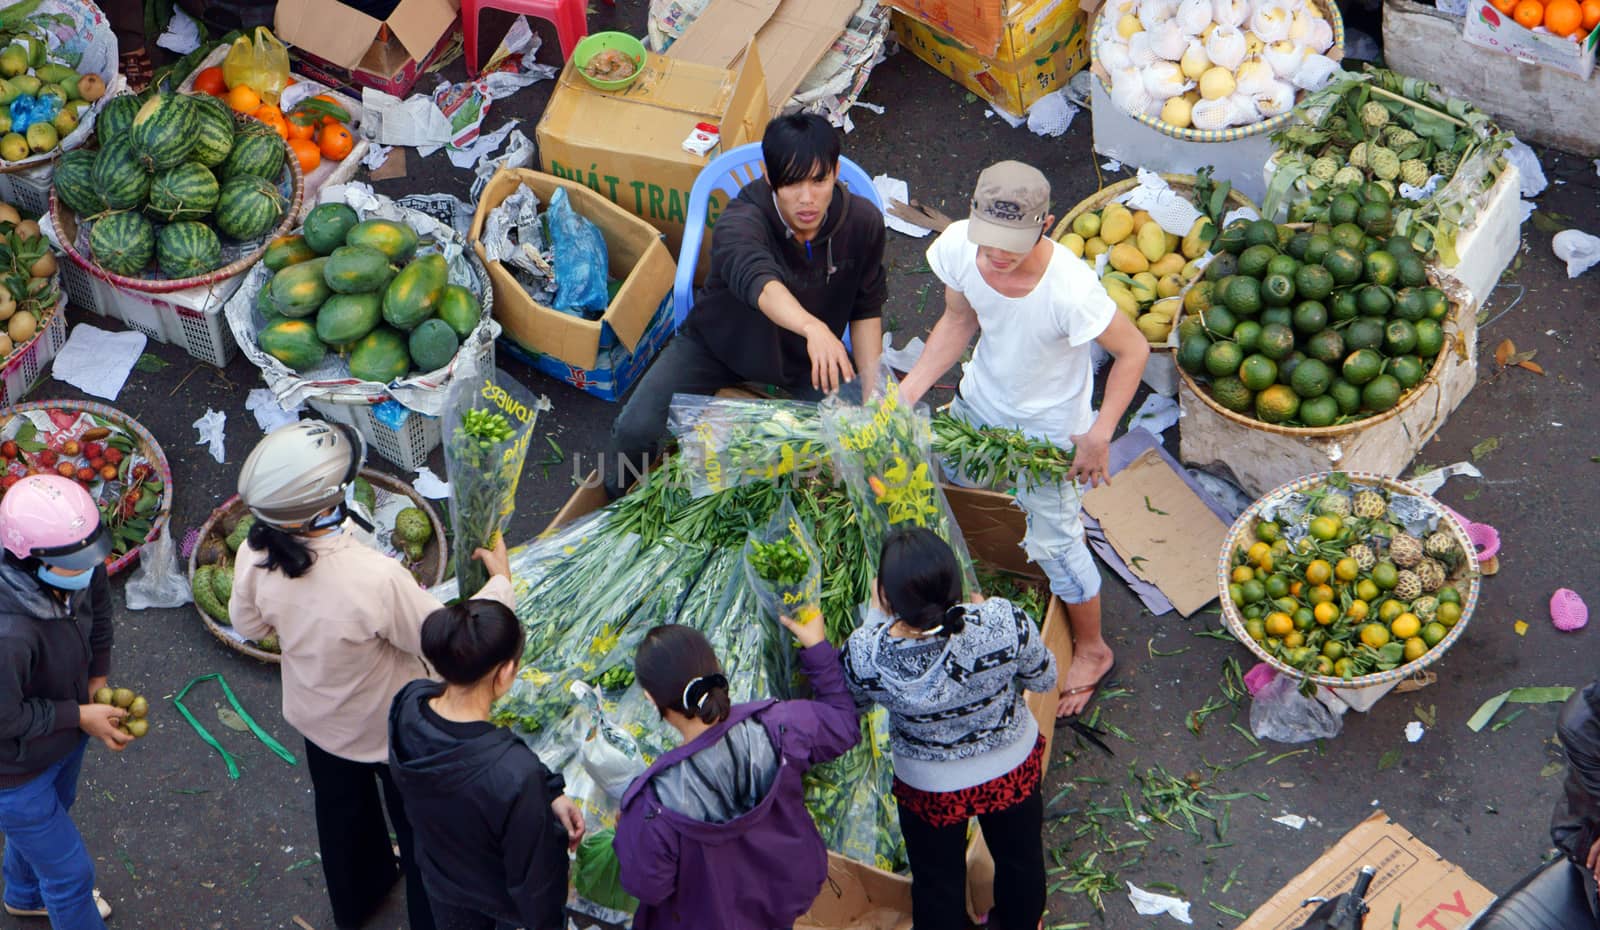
(466, 105)
(211, 427)
(519, 153)
(513, 234)
(1149, 904)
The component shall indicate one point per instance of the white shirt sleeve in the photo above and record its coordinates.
(1082, 308)
(947, 256)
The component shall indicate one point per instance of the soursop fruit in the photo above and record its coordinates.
(1385, 163)
(1414, 171)
(1407, 585)
(412, 530)
(1348, 176)
(1358, 156)
(1405, 550)
(1324, 168)
(1375, 115)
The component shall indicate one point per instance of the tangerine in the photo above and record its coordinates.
(1504, 6)
(1358, 610)
(1279, 623)
(1563, 17)
(1375, 635)
(210, 81)
(1415, 648)
(270, 114)
(304, 126)
(336, 141)
(243, 100)
(1591, 14)
(1243, 573)
(1529, 14)
(307, 153)
(1319, 571)
(1325, 613)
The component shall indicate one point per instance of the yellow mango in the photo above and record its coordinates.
(1198, 240)
(1166, 308)
(1128, 259)
(1168, 264)
(1155, 329)
(1128, 25)
(1074, 243)
(1087, 225)
(1144, 287)
(1116, 224)
(1168, 286)
(1152, 242)
(1140, 217)
(1191, 270)
(1122, 298)
(1094, 246)
(1172, 242)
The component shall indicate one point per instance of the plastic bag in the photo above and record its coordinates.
(1578, 249)
(260, 62)
(597, 876)
(157, 582)
(784, 569)
(488, 423)
(852, 799)
(580, 259)
(725, 443)
(1280, 712)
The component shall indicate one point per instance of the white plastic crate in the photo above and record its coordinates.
(25, 369)
(406, 445)
(191, 319)
(28, 191)
(82, 288)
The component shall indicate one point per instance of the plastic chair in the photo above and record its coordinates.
(728, 173)
(570, 17)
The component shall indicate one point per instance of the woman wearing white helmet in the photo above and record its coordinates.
(348, 622)
(55, 652)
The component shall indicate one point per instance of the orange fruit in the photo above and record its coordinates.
(307, 153)
(269, 113)
(1319, 571)
(1504, 6)
(1563, 17)
(244, 100)
(1591, 14)
(303, 126)
(325, 98)
(1325, 613)
(1529, 14)
(210, 81)
(1279, 624)
(336, 141)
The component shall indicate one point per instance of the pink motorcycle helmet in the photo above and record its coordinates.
(54, 520)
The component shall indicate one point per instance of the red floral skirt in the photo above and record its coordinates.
(946, 808)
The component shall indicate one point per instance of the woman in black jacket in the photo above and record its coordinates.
(492, 826)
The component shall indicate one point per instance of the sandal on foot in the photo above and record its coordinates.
(101, 904)
(1092, 690)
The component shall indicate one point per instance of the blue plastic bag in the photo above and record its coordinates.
(26, 110)
(579, 259)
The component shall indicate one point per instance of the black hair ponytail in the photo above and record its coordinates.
(921, 581)
(677, 667)
(284, 552)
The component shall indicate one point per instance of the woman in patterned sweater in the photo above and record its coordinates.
(951, 675)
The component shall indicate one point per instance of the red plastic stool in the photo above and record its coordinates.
(568, 16)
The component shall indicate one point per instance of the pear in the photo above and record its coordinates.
(102, 695)
(122, 697)
(42, 137)
(13, 61)
(14, 147)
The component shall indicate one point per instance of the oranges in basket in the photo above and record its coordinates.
(316, 130)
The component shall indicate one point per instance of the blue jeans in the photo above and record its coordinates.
(46, 864)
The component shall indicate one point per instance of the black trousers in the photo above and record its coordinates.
(939, 868)
(685, 366)
(450, 917)
(357, 857)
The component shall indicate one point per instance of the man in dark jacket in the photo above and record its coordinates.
(795, 259)
(492, 826)
(1575, 827)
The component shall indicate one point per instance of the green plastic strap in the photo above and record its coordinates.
(233, 767)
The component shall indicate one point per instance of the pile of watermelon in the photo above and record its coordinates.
(170, 174)
(358, 288)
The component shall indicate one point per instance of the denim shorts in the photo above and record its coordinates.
(1055, 539)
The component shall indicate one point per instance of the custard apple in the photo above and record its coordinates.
(1414, 171)
(1370, 505)
(1358, 156)
(1445, 163)
(1363, 555)
(1348, 176)
(1431, 574)
(1440, 545)
(1375, 115)
(1387, 185)
(1324, 168)
(1426, 608)
(1385, 163)
(1405, 550)
(1336, 123)
(1399, 137)
(1407, 585)
(1334, 505)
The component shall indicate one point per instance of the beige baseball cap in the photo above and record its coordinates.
(1009, 207)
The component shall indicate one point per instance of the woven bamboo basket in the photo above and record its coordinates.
(1103, 24)
(291, 183)
(81, 26)
(1182, 183)
(148, 447)
(1466, 578)
(429, 572)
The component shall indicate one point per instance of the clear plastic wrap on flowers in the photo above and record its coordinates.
(726, 443)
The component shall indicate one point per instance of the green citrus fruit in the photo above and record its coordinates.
(1277, 404)
(1364, 333)
(1319, 411)
(1347, 395)
(1258, 372)
(1276, 341)
(1399, 337)
(1223, 358)
(1246, 334)
(1311, 378)
(1361, 366)
(1326, 346)
(1231, 393)
(1381, 393)
(1310, 317)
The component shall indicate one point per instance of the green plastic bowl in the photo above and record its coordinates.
(593, 45)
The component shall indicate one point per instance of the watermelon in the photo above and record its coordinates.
(187, 192)
(187, 250)
(122, 243)
(261, 156)
(116, 118)
(248, 208)
(122, 181)
(163, 130)
(213, 131)
(74, 183)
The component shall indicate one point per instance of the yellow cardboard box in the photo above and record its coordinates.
(1042, 45)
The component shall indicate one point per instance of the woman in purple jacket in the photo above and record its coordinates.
(716, 832)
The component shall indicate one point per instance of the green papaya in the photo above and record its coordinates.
(413, 295)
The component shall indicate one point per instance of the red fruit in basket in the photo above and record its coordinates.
(93, 450)
(113, 455)
(47, 458)
(71, 447)
(9, 481)
(97, 463)
(108, 472)
(67, 470)
(9, 449)
(142, 471)
(86, 475)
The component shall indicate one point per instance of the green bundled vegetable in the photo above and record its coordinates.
(491, 424)
(996, 457)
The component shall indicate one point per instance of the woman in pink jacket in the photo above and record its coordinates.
(348, 621)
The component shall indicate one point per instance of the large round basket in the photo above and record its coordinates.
(1243, 529)
(78, 28)
(148, 447)
(291, 183)
(429, 572)
(1330, 11)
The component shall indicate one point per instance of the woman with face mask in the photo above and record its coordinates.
(349, 626)
(55, 652)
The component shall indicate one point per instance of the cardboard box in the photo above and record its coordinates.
(1017, 76)
(604, 356)
(858, 896)
(985, 26)
(791, 35)
(1542, 105)
(628, 144)
(1431, 892)
(338, 44)
(1486, 27)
